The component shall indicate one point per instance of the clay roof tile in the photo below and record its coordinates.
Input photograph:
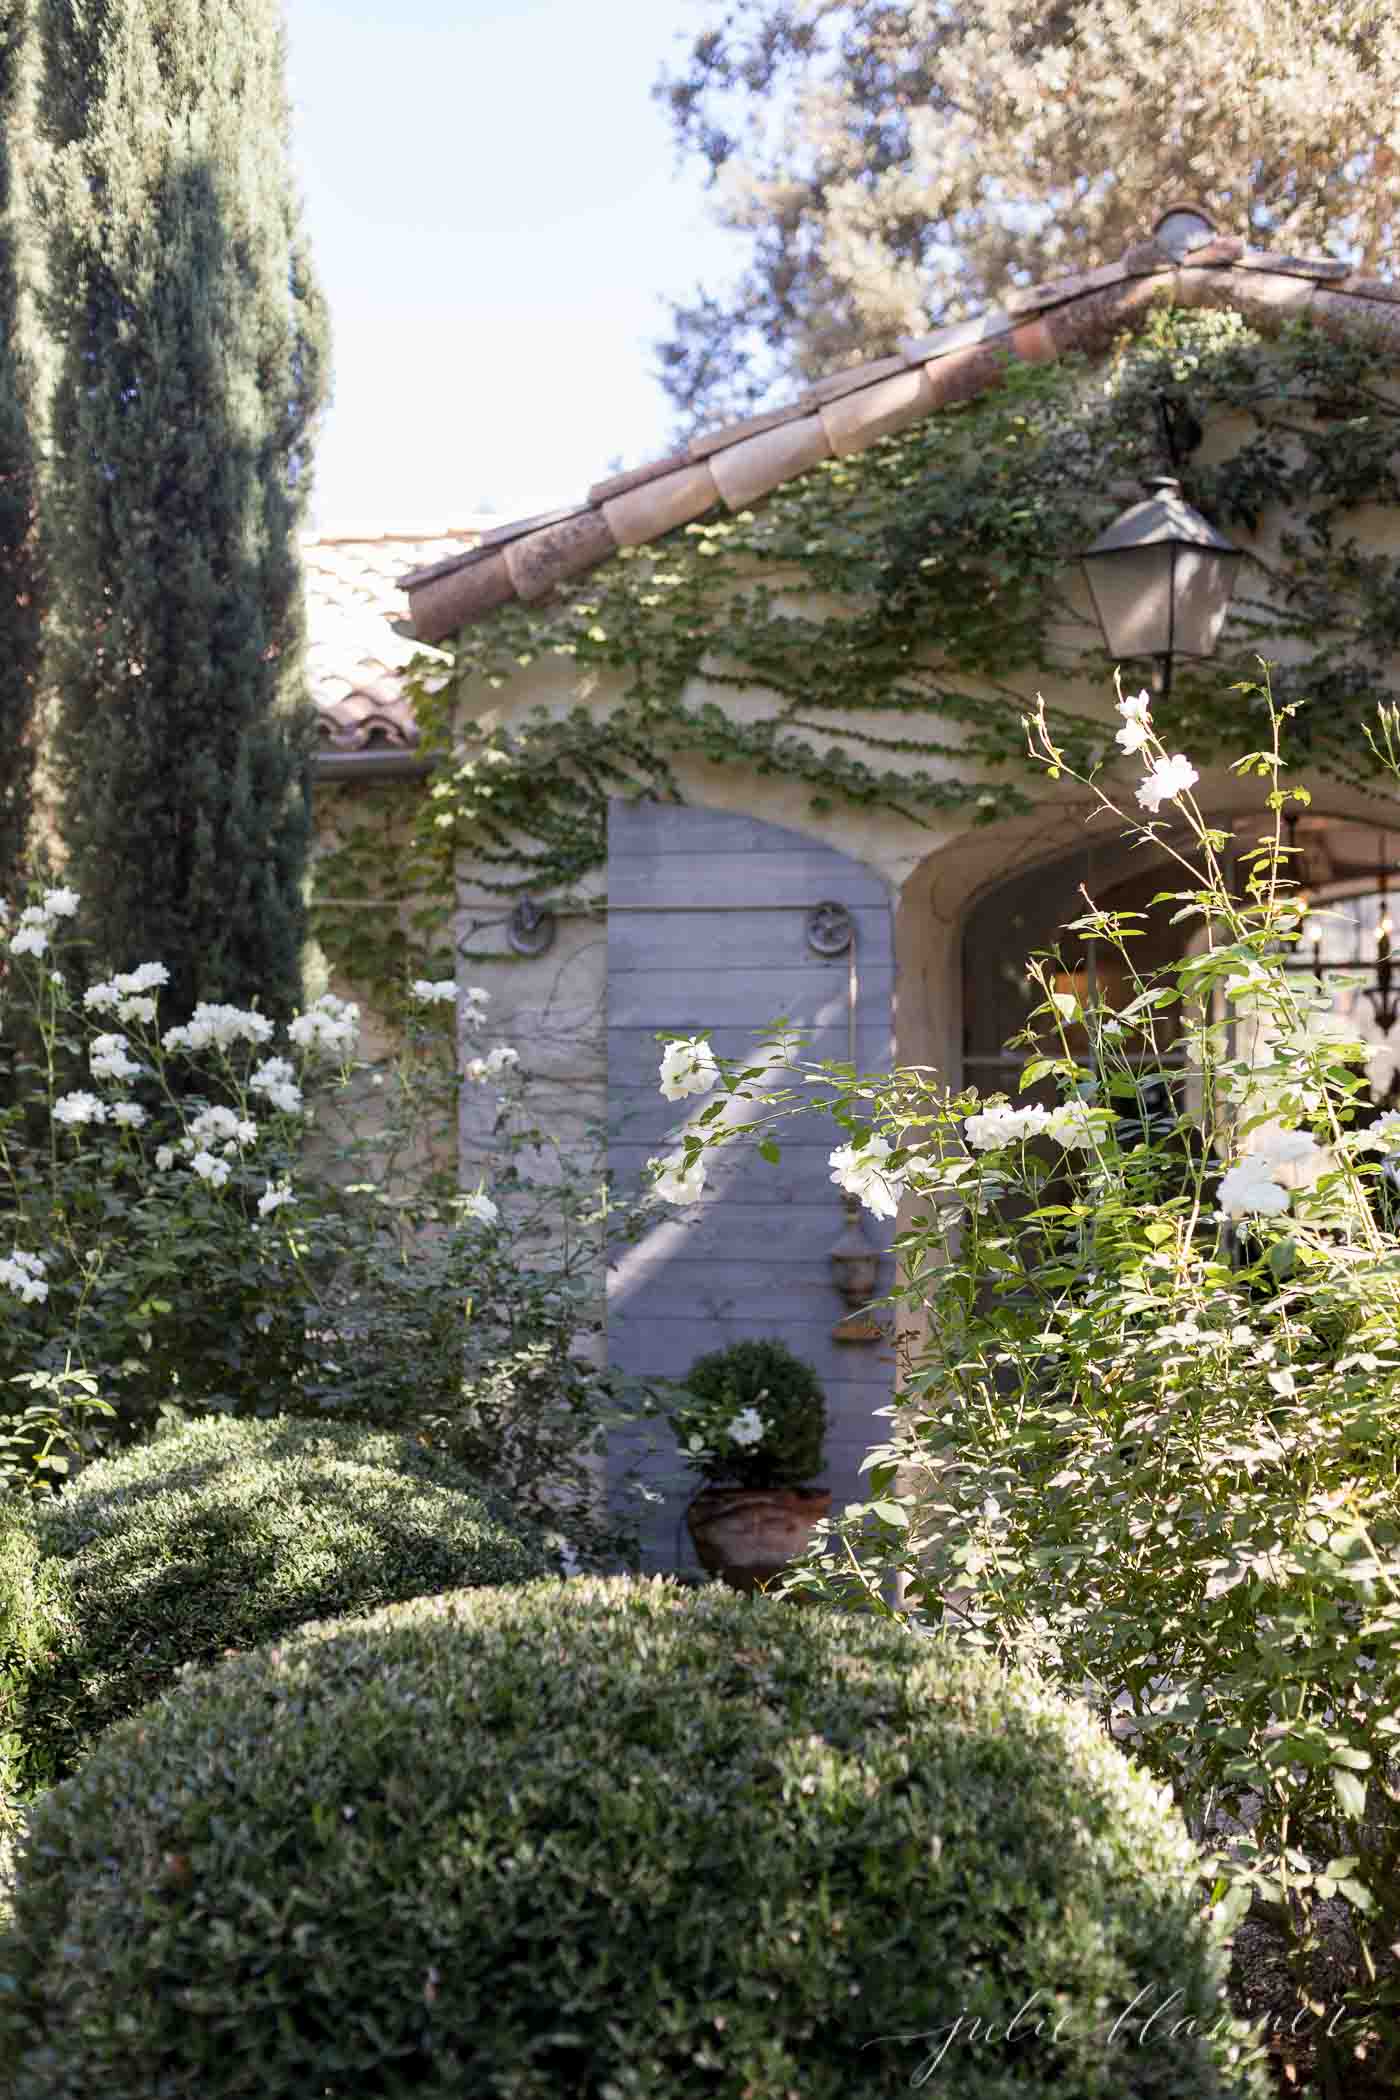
(740, 462)
(354, 582)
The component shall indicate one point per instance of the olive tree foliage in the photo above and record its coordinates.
(889, 165)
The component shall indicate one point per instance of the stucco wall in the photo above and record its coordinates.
(345, 920)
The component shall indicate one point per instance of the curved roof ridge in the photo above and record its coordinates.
(737, 464)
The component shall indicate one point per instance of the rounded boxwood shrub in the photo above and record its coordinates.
(609, 1840)
(229, 1534)
(29, 1624)
(783, 1391)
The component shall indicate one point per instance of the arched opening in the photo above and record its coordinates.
(1350, 871)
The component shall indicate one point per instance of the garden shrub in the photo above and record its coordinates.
(608, 1839)
(778, 1392)
(181, 1244)
(27, 1626)
(231, 1533)
(1147, 1429)
(483, 1341)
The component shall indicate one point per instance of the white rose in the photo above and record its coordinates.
(1076, 1126)
(1280, 1148)
(146, 977)
(79, 1108)
(1246, 1191)
(991, 1128)
(860, 1170)
(687, 1067)
(108, 1059)
(1169, 778)
(330, 1025)
(23, 1274)
(1383, 1135)
(674, 1182)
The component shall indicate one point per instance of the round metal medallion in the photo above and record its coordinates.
(830, 929)
(530, 930)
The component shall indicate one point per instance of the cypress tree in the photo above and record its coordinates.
(19, 566)
(190, 347)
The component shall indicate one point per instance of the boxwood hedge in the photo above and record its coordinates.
(29, 1623)
(610, 1840)
(227, 1535)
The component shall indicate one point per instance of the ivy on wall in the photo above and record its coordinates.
(921, 583)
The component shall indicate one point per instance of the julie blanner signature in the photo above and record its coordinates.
(1139, 2025)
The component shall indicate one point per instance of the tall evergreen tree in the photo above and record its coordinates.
(190, 344)
(19, 567)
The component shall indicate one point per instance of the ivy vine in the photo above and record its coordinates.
(924, 581)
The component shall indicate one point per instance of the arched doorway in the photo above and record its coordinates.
(1349, 869)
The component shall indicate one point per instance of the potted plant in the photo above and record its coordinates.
(752, 1422)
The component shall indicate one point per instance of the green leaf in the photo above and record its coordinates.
(769, 1150)
(1350, 1792)
(891, 1513)
(1233, 1905)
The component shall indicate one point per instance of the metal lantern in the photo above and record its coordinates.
(855, 1266)
(1161, 579)
(854, 1262)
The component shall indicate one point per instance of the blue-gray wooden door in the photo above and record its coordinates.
(707, 932)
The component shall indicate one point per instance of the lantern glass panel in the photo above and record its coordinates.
(1131, 590)
(1204, 582)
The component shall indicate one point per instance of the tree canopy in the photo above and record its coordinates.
(888, 165)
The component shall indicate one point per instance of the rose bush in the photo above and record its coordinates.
(1148, 1433)
(203, 1218)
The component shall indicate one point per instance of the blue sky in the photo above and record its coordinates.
(495, 212)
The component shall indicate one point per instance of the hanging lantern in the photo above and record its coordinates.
(1161, 579)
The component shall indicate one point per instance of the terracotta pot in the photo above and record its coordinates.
(748, 1535)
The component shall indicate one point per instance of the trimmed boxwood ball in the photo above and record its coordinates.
(229, 1534)
(787, 1394)
(609, 1840)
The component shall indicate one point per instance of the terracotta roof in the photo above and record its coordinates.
(737, 465)
(354, 583)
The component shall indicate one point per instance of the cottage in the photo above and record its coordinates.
(739, 737)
